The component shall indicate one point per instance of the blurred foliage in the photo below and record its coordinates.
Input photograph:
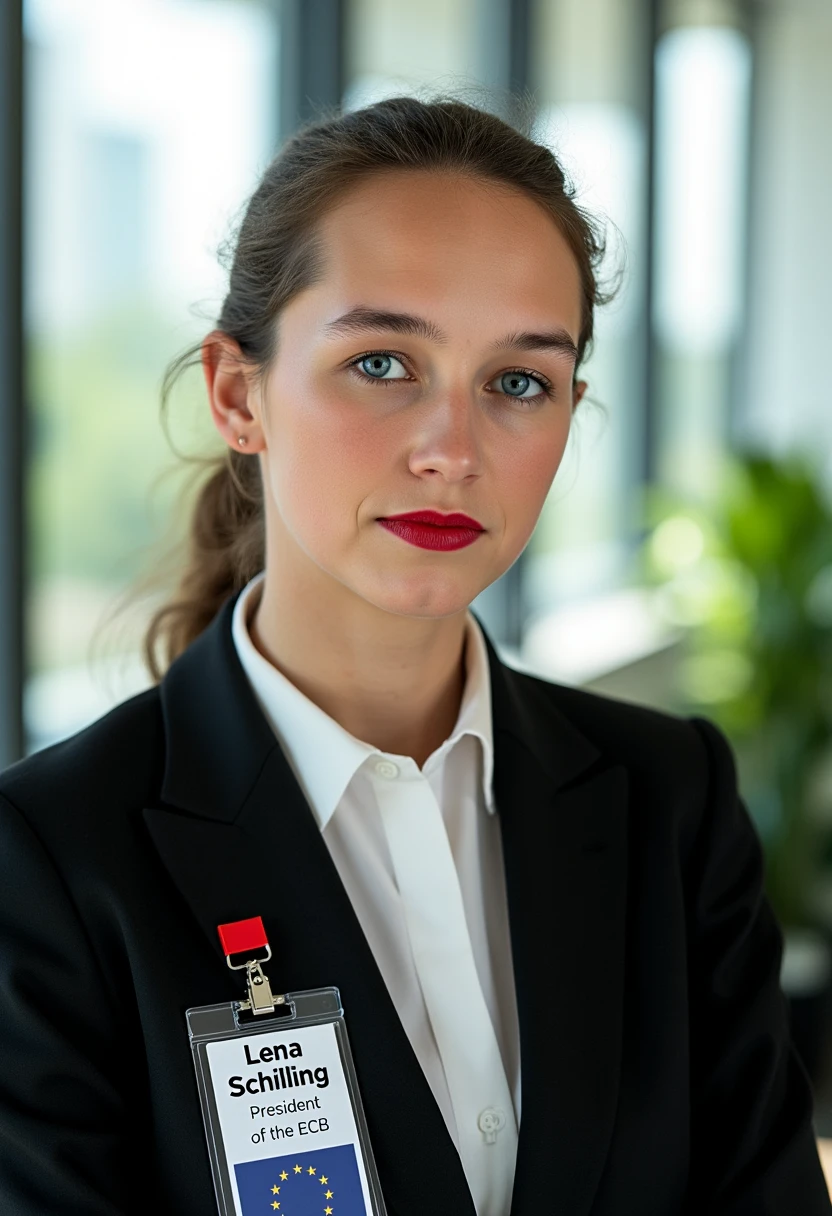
(103, 475)
(748, 573)
(107, 487)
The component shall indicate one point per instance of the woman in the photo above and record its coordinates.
(543, 908)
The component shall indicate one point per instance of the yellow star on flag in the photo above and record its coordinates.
(327, 1211)
(283, 1175)
(311, 1170)
(275, 1205)
(329, 1195)
(323, 1180)
(298, 1170)
(276, 1190)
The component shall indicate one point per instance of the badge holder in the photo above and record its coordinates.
(284, 1122)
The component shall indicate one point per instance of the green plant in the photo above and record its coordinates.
(748, 573)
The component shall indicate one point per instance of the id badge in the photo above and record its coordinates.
(284, 1122)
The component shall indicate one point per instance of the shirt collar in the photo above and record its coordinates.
(305, 731)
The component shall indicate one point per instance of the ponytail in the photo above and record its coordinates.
(225, 549)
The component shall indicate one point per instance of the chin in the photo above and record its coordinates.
(431, 599)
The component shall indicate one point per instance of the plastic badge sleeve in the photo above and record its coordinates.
(284, 1121)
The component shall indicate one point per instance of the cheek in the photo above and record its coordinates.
(324, 458)
(528, 471)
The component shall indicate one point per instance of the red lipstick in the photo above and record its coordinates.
(432, 530)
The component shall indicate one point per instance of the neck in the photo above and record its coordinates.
(394, 682)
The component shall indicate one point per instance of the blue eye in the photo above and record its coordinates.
(516, 384)
(377, 365)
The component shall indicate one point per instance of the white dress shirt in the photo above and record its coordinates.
(345, 794)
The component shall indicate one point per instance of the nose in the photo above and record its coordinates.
(447, 437)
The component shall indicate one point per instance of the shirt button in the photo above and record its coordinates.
(386, 768)
(491, 1121)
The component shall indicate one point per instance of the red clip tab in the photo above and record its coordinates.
(242, 936)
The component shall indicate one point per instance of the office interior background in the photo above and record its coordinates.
(684, 555)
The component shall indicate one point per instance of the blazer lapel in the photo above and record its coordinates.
(238, 839)
(563, 818)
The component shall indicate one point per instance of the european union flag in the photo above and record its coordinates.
(321, 1183)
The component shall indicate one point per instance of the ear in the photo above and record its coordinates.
(232, 395)
(578, 390)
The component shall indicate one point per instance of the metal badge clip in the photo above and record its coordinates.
(250, 935)
(260, 996)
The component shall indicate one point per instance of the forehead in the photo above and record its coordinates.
(448, 241)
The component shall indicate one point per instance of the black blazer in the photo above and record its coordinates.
(658, 1075)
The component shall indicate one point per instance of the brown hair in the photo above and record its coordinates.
(277, 255)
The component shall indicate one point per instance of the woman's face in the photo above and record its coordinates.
(363, 417)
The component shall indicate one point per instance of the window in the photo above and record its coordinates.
(590, 71)
(148, 124)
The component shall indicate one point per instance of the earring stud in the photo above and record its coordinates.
(242, 440)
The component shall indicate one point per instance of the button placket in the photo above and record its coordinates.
(441, 944)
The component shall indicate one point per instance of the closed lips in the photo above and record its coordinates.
(435, 518)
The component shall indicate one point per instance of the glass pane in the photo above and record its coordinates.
(395, 46)
(590, 72)
(703, 81)
(148, 123)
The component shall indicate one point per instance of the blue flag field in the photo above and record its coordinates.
(325, 1182)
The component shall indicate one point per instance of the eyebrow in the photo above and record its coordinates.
(362, 319)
